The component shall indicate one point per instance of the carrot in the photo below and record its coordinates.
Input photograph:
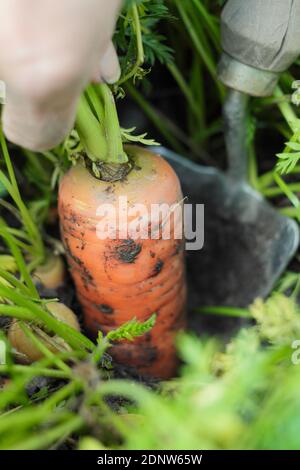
(118, 279)
(51, 274)
(25, 347)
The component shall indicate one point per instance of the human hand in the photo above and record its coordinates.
(50, 50)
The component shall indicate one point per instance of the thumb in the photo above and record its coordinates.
(109, 68)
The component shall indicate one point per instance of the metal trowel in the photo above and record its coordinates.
(247, 243)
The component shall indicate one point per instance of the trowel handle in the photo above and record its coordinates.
(235, 129)
(260, 39)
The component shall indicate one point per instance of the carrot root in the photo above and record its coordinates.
(118, 279)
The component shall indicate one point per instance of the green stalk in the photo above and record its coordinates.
(14, 393)
(36, 371)
(198, 127)
(289, 194)
(101, 140)
(95, 103)
(162, 125)
(14, 311)
(177, 75)
(226, 311)
(139, 46)
(13, 190)
(48, 437)
(11, 279)
(22, 419)
(62, 394)
(115, 152)
(26, 420)
(252, 167)
(289, 212)
(66, 332)
(276, 191)
(210, 23)
(90, 131)
(267, 178)
(202, 50)
(17, 254)
(286, 110)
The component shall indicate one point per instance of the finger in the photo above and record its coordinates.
(29, 127)
(109, 69)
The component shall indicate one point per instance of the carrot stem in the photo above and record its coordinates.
(97, 124)
(115, 153)
(90, 131)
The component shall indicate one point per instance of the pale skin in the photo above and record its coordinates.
(50, 50)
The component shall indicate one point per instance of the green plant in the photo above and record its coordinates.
(225, 398)
(29, 237)
(76, 368)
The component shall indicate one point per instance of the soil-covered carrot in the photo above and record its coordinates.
(118, 279)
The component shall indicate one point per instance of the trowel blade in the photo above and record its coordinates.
(247, 243)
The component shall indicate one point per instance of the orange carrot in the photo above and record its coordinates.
(126, 277)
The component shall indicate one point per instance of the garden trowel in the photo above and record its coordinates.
(247, 243)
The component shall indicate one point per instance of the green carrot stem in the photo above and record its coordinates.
(71, 336)
(42, 371)
(96, 104)
(98, 126)
(90, 131)
(115, 153)
(16, 312)
(16, 252)
(11, 186)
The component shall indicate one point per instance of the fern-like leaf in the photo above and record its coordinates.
(131, 329)
(127, 136)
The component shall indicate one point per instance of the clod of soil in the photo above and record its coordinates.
(128, 251)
